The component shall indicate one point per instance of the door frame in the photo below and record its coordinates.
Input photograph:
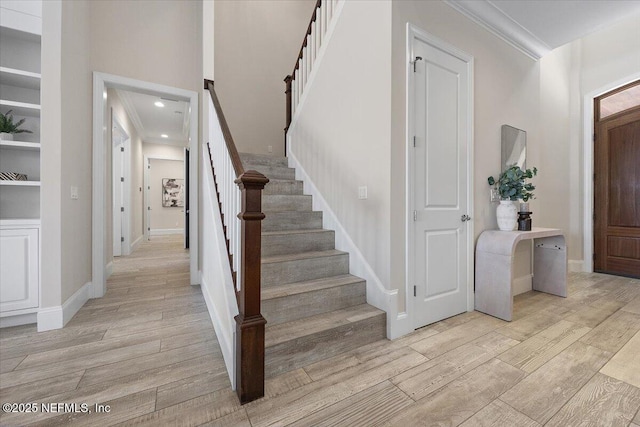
(146, 182)
(125, 246)
(588, 129)
(415, 33)
(98, 207)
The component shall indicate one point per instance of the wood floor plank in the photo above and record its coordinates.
(192, 387)
(303, 401)
(48, 346)
(591, 316)
(235, 419)
(499, 414)
(137, 365)
(146, 327)
(10, 363)
(438, 344)
(428, 377)
(633, 306)
(191, 413)
(185, 339)
(462, 398)
(542, 347)
(120, 410)
(614, 332)
(370, 407)
(37, 390)
(530, 325)
(625, 364)
(285, 382)
(603, 401)
(24, 375)
(544, 392)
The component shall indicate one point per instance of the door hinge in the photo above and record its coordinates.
(122, 209)
(594, 137)
(594, 176)
(418, 58)
(122, 149)
(594, 216)
(415, 291)
(148, 229)
(122, 239)
(122, 179)
(415, 215)
(414, 141)
(148, 208)
(594, 256)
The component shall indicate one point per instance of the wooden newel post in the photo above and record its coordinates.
(288, 80)
(249, 321)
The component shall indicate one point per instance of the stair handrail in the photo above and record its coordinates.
(240, 203)
(322, 15)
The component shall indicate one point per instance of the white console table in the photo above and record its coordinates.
(494, 267)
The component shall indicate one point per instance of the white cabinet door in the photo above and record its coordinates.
(19, 266)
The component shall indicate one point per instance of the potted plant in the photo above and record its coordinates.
(511, 186)
(8, 128)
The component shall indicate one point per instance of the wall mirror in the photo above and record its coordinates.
(514, 147)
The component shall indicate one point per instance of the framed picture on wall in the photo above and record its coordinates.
(172, 193)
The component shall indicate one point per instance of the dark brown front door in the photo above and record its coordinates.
(617, 194)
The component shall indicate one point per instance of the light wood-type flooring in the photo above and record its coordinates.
(149, 351)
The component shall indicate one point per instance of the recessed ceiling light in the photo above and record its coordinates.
(158, 104)
(164, 135)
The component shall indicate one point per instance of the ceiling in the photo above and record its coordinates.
(152, 121)
(536, 27)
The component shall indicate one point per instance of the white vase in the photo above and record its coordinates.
(507, 215)
(6, 136)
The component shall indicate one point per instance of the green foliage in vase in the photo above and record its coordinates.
(511, 183)
(8, 126)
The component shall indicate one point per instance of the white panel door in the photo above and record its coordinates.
(118, 194)
(440, 186)
(19, 267)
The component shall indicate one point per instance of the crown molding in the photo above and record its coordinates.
(166, 141)
(490, 17)
(131, 111)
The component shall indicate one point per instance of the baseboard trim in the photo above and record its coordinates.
(108, 269)
(136, 243)
(377, 295)
(522, 284)
(576, 265)
(56, 317)
(18, 320)
(165, 231)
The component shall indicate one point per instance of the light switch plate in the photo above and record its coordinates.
(74, 193)
(270, 148)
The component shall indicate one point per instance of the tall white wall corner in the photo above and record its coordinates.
(56, 317)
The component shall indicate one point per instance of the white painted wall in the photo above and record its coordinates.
(342, 135)
(256, 45)
(116, 109)
(126, 38)
(164, 218)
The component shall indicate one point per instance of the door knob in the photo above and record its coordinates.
(465, 218)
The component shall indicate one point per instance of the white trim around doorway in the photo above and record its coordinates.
(148, 232)
(412, 33)
(587, 135)
(100, 83)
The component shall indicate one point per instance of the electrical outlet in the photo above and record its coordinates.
(362, 192)
(494, 196)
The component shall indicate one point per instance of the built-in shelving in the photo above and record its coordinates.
(19, 78)
(20, 183)
(20, 145)
(21, 108)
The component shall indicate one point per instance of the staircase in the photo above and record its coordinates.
(314, 308)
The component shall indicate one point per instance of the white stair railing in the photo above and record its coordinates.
(321, 20)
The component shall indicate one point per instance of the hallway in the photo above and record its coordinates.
(147, 345)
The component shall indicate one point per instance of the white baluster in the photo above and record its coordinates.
(303, 69)
(329, 6)
(312, 46)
